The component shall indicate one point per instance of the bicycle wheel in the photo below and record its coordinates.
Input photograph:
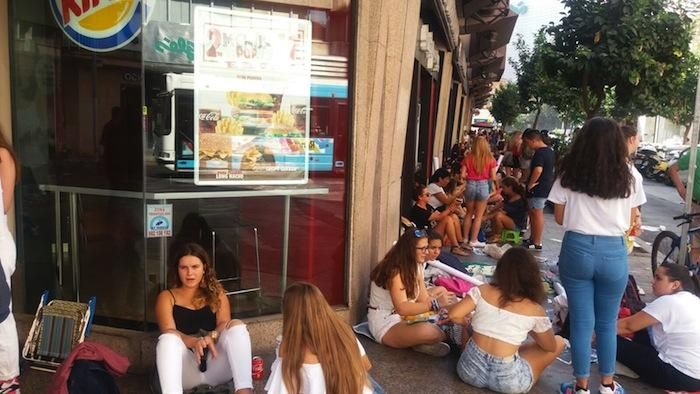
(665, 249)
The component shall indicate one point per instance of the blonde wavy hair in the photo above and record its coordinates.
(309, 323)
(210, 287)
(481, 153)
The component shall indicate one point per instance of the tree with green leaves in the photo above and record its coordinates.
(680, 106)
(534, 85)
(635, 47)
(506, 104)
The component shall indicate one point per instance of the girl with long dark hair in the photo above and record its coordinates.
(194, 317)
(505, 313)
(397, 291)
(594, 197)
(665, 350)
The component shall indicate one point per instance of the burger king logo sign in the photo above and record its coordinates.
(99, 25)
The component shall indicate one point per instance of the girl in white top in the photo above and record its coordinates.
(9, 351)
(505, 313)
(670, 358)
(398, 290)
(595, 195)
(319, 353)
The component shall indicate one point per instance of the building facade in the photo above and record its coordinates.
(107, 111)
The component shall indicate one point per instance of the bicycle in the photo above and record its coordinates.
(668, 244)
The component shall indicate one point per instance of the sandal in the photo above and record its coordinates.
(459, 251)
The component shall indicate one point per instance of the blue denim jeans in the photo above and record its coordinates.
(593, 270)
(477, 190)
(501, 374)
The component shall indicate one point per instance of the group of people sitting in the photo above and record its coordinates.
(463, 202)
(201, 344)
(501, 329)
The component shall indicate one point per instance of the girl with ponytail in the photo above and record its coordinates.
(667, 355)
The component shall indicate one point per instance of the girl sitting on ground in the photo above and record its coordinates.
(319, 352)
(434, 250)
(193, 316)
(513, 213)
(670, 358)
(398, 290)
(505, 313)
(423, 216)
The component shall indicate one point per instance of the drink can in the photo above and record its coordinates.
(258, 368)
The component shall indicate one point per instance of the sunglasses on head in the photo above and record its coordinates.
(420, 233)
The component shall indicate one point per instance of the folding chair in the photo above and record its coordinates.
(57, 327)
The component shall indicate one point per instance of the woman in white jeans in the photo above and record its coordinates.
(195, 316)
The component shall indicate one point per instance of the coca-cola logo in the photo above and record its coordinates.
(209, 116)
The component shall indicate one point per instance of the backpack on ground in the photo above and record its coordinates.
(631, 299)
(88, 377)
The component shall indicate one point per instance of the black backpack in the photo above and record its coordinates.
(632, 299)
(89, 377)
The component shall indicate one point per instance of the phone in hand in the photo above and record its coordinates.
(203, 361)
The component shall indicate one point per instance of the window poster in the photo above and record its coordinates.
(252, 78)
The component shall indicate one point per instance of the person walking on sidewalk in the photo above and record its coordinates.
(538, 185)
(9, 343)
(594, 196)
(667, 355)
(479, 169)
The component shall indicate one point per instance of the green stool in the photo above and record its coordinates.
(510, 236)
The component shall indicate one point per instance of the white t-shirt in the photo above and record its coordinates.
(312, 376)
(593, 215)
(677, 335)
(434, 189)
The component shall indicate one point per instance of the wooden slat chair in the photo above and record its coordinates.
(57, 328)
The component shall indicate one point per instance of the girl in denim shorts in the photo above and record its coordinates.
(479, 169)
(505, 312)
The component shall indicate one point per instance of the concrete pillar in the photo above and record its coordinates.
(385, 49)
(456, 126)
(443, 106)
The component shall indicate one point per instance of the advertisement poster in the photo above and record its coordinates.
(159, 220)
(252, 98)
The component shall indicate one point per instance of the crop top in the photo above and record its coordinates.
(190, 321)
(506, 326)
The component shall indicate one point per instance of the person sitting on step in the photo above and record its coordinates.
(194, 317)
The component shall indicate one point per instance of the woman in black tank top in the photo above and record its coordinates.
(198, 335)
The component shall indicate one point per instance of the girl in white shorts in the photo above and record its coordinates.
(397, 290)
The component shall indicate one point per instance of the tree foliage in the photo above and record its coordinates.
(506, 104)
(633, 49)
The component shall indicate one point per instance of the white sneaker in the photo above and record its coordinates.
(622, 369)
(440, 349)
(607, 390)
(476, 244)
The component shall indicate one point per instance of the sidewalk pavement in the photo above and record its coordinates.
(406, 371)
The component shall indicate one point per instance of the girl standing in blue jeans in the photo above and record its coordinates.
(594, 196)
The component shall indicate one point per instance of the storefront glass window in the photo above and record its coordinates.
(106, 138)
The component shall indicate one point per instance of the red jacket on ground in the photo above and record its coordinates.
(114, 362)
